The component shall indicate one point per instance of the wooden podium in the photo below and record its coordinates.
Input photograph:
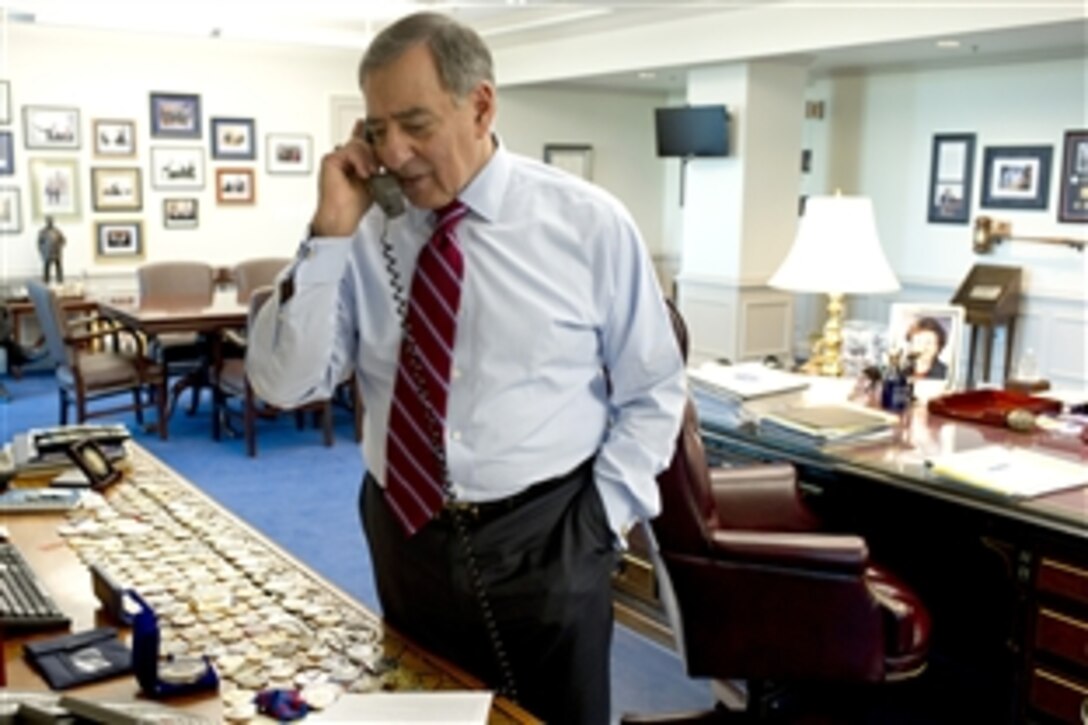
(990, 295)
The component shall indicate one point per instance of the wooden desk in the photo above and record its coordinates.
(1006, 580)
(206, 538)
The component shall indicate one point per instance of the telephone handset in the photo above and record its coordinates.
(386, 194)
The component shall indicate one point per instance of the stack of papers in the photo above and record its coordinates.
(744, 381)
(1018, 472)
(817, 425)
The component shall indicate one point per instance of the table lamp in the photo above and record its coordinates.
(836, 252)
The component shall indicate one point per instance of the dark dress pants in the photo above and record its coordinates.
(546, 569)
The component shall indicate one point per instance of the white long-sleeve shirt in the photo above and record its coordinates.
(558, 288)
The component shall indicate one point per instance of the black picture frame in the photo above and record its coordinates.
(1073, 207)
(951, 171)
(175, 115)
(7, 154)
(1016, 177)
(234, 138)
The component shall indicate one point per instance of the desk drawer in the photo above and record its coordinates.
(1059, 696)
(1062, 579)
(1062, 635)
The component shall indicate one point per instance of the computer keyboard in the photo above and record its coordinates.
(24, 602)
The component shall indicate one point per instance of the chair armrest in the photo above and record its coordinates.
(77, 339)
(839, 554)
(761, 497)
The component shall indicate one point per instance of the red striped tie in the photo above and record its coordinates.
(415, 473)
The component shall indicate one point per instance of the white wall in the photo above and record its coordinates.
(620, 128)
(109, 75)
(876, 141)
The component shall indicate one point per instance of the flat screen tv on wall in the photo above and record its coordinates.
(687, 131)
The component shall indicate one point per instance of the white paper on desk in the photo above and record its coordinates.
(1020, 472)
(444, 708)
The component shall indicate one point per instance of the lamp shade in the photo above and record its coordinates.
(836, 250)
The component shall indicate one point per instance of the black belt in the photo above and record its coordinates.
(479, 513)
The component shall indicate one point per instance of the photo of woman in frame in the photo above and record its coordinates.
(927, 338)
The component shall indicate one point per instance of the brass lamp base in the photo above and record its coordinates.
(826, 356)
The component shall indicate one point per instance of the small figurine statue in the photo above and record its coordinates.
(51, 246)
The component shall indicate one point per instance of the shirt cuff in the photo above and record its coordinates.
(320, 260)
(620, 509)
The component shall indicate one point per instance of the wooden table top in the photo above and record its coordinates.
(176, 511)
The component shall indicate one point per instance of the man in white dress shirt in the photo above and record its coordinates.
(564, 392)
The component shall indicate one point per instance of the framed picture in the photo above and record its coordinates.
(1074, 197)
(177, 167)
(116, 189)
(1016, 177)
(951, 166)
(11, 214)
(7, 154)
(175, 115)
(929, 337)
(50, 127)
(235, 186)
(114, 138)
(575, 158)
(54, 188)
(5, 102)
(233, 138)
(288, 153)
(180, 213)
(119, 239)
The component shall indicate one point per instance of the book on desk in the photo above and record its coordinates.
(744, 381)
(817, 425)
(1012, 471)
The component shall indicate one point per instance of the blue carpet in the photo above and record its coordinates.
(303, 496)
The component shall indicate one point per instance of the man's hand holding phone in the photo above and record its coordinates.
(346, 187)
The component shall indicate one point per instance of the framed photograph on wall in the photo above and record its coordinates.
(175, 115)
(180, 213)
(123, 240)
(1074, 195)
(50, 127)
(574, 158)
(11, 213)
(7, 154)
(951, 166)
(114, 138)
(5, 102)
(1016, 177)
(234, 138)
(235, 186)
(177, 167)
(116, 189)
(288, 153)
(930, 337)
(54, 189)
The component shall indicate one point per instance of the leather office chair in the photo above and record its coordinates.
(178, 285)
(756, 593)
(230, 381)
(87, 375)
(253, 273)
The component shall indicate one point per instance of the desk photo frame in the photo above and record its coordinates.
(932, 332)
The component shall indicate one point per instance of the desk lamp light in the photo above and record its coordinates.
(836, 252)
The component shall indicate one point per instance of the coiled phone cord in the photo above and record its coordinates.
(508, 687)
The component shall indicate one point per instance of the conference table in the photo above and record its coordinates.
(1005, 576)
(267, 610)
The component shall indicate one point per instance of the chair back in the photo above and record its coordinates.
(256, 301)
(168, 285)
(51, 318)
(688, 511)
(253, 273)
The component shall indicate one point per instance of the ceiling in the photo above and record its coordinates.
(509, 23)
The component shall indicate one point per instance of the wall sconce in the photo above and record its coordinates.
(989, 232)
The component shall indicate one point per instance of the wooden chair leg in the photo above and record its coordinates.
(357, 410)
(138, 405)
(300, 419)
(250, 423)
(63, 406)
(326, 423)
(217, 411)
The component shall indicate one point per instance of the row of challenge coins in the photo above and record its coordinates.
(220, 592)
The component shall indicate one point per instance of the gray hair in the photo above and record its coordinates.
(460, 55)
